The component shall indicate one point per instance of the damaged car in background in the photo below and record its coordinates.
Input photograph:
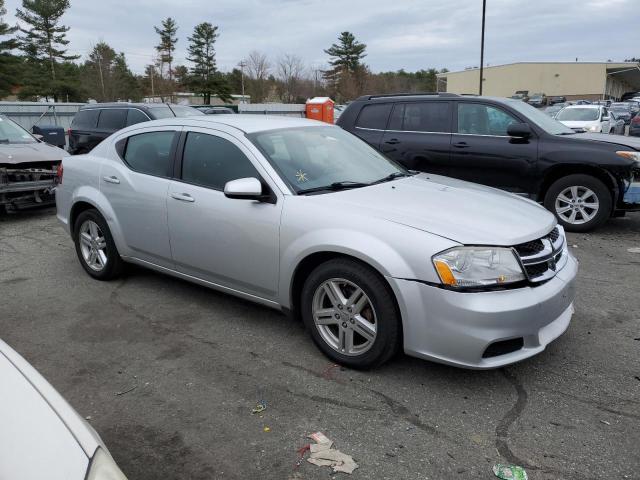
(28, 168)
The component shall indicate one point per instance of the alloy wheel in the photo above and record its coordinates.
(93, 245)
(344, 317)
(577, 205)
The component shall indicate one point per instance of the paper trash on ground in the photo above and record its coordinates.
(324, 456)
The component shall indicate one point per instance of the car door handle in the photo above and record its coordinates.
(393, 141)
(461, 145)
(111, 179)
(183, 197)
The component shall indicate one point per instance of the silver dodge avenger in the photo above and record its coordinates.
(306, 218)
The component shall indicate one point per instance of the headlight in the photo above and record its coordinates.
(104, 468)
(478, 267)
(630, 155)
(592, 128)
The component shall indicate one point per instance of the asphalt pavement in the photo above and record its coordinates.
(168, 373)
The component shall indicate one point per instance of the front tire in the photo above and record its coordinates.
(580, 202)
(351, 314)
(95, 247)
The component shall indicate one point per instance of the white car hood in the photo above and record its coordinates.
(464, 212)
(15, 153)
(41, 436)
(580, 124)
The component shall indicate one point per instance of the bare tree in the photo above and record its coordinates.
(290, 71)
(258, 68)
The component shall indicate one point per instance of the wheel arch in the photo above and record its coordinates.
(315, 259)
(564, 170)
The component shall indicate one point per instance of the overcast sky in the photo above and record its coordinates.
(409, 34)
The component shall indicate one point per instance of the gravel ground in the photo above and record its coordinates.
(194, 362)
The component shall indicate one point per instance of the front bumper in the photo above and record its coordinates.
(456, 328)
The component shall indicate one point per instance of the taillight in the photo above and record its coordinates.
(59, 173)
(69, 132)
(636, 119)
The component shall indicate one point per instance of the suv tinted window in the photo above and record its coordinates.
(476, 119)
(136, 116)
(421, 117)
(374, 116)
(213, 161)
(150, 152)
(85, 119)
(112, 118)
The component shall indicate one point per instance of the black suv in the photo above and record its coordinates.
(583, 178)
(95, 122)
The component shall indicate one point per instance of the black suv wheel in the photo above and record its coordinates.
(580, 202)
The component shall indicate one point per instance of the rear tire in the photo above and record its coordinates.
(351, 314)
(580, 202)
(95, 247)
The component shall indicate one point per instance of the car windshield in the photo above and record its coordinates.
(541, 119)
(11, 132)
(316, 157)
(620, 106)
(579, 114)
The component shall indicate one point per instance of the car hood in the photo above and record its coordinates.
(464, 212)
(632, 142)
(579, 123)
(30, 152)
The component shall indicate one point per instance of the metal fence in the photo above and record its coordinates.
(28, 114)
(286, 109)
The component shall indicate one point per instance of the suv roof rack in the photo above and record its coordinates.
(416, 94)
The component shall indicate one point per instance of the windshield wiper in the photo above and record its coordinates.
(335, 186)
(390, 177)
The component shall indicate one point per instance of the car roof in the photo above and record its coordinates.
(90, 106)
(590, 105)
(246, 123)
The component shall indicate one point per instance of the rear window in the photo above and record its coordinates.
(185, 111)
(85, 119)
(374, 116)
(161, 112)
(136, 116)
(422, 117)
(112, 118)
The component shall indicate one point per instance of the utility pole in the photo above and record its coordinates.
(484, 9)
(242, 64)
(153, 92)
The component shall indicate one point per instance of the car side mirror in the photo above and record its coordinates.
(244, 189)
(519, 130)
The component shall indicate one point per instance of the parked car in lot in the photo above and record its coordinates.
(634, 107)
(586, 118)
(28, 168)
(622, 110)
(305, 217)
(42, 436)
(556, 99)
(506, 144)
(617, 124)
(538, 100)
(95, 122)
(522, 95)
(634, 127)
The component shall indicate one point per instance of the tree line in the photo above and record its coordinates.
(35, 63)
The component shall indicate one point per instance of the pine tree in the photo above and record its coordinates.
(348, 72)
(8, 61)
(167, 45)
(205, 78)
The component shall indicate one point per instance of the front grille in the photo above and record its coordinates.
(543, 257)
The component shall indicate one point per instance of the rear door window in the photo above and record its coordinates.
(86, 119)
(422, 117)
(112, 119)
(150, 152)
(374, 116)
(136, 116)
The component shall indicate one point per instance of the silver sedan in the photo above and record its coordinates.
(306, 218)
